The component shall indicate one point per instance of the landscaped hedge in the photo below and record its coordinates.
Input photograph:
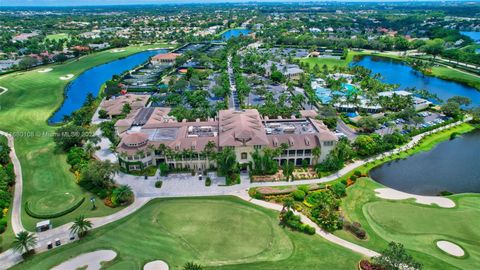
(54, 215)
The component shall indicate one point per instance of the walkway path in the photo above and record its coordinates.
(181, 186)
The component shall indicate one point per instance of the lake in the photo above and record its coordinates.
(235, 33)
(91, 80)
(450, 166)
(397, 72)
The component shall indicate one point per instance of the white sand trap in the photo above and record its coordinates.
(117, 51)
(392, 194)
(45, 70)
(451, 248)
(3, 90)
(156, 265)
(66, 77)
(91, 260)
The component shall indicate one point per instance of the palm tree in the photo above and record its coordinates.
(89, 148)
(123, 193)
(209, 151)
(81, 226)
(316, 152)
(192, 266)
(287, 204)
(24, 241)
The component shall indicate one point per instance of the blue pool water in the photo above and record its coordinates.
(235, 33)
(91, 80)
(473, 35)
(396, 72)
(352, 114)
(325, 94)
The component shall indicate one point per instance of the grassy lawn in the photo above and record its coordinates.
(57, 37)
(25, 108)
(416, 226)
(455, 75)
(219, 233)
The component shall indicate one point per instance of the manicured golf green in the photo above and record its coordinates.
(416, 226)
(25, 108)
(218, 233)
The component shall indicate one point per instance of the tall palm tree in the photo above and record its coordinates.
(24, 241)
(192, 266)
(81, 226)
(89, 148)
(287, 204)
(316, 152)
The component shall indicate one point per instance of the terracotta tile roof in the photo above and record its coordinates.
(237, 128)
(114, 106)
(166, 56)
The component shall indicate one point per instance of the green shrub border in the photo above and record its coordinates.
(54, 215)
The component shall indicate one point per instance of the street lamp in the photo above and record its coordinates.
(92, 200)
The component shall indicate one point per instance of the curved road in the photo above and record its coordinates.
(10, 258)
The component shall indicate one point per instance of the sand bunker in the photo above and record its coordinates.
(92, 260)
(392, 194)
(3, 90)
(66, 77)
(156, 265)
(45, 70)
(117, 50)
(451, 248)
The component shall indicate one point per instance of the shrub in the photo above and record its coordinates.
(308, 229)
(353, 178)
(446, 193)
(164, 169)
(292, 221)
(158, 184)
(256, 195)
(208, 182)
(366, 265)
(304, 188)
(338, 189)
(355, 229)
(357, 173)
(298, 195)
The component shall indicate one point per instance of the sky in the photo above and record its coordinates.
(133, 2)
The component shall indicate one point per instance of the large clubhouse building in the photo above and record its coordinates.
(150, 137)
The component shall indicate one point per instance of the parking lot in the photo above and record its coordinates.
(429, 119)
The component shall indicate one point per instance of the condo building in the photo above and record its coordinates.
(150, 137)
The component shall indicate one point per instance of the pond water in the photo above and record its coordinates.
(91, 80)
(397, 72)
(450, 166)
(235, 33)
